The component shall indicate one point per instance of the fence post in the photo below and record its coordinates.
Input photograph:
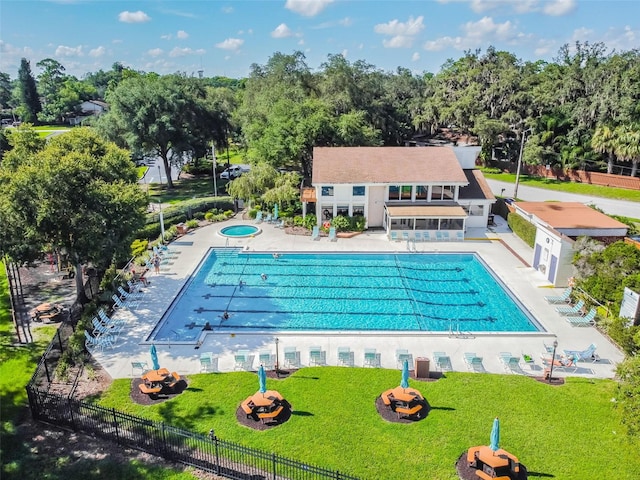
(163, 444)
(115, 425)
(216, 441)
(46, 370)
(275, 465)
(73, 420)
(59, 340)
(337, 475)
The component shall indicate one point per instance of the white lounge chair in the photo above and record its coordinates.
(291, 357)
(242, 360)
(426, 236)
(315, 233)
(345, 356)
(574, 310)
(100, 342)
(108, 329)
(402, 355)
(588, 354)
(442, 361)
(511, 363)
(405, 236)
(439, 236)
(460, 236)
(208, 363)
(474, 363)
(266, 359)
(445, 235)
(259, 217)
(583, 320)
(393, 235)
(371, 358)
(316, 356)
(332, 234)
(417, 235)
(564, 297)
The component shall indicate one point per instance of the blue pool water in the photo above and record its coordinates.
(239, 231)
(356, 292)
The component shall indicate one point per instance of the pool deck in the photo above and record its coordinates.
(505, 253)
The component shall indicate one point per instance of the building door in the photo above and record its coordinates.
(536, 256)
(552, 268)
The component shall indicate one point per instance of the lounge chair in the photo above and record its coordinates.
(266, 359)
(345, 356)
(474, 363)
(574, 310)
(316, 356)
(208, 363)
(110, 329)
(402, 355)
(426, 236)
(332, 234)
(371, 358)
(405, 236)
(588, 354)
(291, 357)
(259, 217)
(315, 233)
(584, 320)
(417, 235)
(241, 359)
(564, 297)
(564, 364)
(142, 366)
(445, 236)
(129, 295)
(510, 363)
(460, 236)
(106, 319)
(100, 341)
(268, 218)
(442, 361)
(119, 303)
(439, 236)
(394, 235)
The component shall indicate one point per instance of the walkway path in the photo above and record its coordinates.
(525, 282)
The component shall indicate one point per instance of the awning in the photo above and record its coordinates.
(426, 211)
(308, 195)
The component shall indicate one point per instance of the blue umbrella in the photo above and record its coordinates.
(275, 212)
(405, 375)
(495, 435)
(262, 379)
(154, 358)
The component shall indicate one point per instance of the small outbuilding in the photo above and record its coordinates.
(558, 225)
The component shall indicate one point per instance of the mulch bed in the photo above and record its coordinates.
(465, 472)
(255, 423)
(165, 394)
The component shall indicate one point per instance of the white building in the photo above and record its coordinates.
(412, 189)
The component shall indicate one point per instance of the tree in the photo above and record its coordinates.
(628, 145)
(30, 106)
(77, 195)
(604, 141)
(167, 116)
(5, 90)
(629, 393)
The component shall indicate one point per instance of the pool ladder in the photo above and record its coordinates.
(456, 332)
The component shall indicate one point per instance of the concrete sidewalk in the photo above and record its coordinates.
(506, 254)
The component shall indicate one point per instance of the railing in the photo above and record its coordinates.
(207, 453)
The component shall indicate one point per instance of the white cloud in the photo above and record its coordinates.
(557, 8)
(166, 36)
(133, 17)
(155, 52)
(307, 8)
(581, 34)
(97, 52)
(227, 9)
(182, 34)
(282, 31)
(402, 33)
(477, 34)
(183, 52)
(394, 27)
(230, 44)
(64, 51)
(545, 47)
(415, 57)
(344, 53)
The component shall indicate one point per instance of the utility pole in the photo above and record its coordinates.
(215, 183)
(522, 142)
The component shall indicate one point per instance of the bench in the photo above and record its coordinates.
(486, 476)
(175, 381)
(246, 408)
(408, 411)
(385, 397)
(270, 415)
(149, 390)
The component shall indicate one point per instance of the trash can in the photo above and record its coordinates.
(181, 228)
(422, 367)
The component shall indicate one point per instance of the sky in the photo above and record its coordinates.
(224, 38)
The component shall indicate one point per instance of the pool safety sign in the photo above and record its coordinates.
(630, 307)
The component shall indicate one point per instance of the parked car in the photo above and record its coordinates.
(233, 171)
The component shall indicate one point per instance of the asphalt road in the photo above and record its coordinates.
(532, 194)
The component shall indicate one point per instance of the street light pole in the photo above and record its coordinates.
(522, 142)
(215, 184)
(553, 359)
(160, 174)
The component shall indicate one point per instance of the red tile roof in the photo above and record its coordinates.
(569, 215)
(386, 165)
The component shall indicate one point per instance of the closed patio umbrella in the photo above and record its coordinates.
(262, 379)
(154, 358)
(495, 435)
(405, 375)
(275, 212)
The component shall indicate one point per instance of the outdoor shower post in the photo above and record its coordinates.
(277, 359)
(553, 359)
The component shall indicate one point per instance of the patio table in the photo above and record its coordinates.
(156, 376)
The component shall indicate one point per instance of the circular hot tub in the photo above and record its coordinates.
(240, 231)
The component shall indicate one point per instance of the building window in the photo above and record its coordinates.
(447, 193)
(327, 213)
(421, 192)
(327, 191)
(343, 210)
(436, 193)
(394, 192)
(358, 191)
(406, 192)
(358, 210)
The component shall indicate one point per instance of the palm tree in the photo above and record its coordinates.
(628, 145)
(604, 140)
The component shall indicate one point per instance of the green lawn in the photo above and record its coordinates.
(555, 431)
(20, 460)
(569, 187)
(186, 189)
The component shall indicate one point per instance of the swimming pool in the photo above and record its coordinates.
(419, 292)
(239, 231)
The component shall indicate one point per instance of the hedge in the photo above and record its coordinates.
(523, 228)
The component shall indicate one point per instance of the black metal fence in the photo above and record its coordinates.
(208, 453)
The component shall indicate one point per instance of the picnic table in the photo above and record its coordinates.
(265, 406)
(47, 312)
